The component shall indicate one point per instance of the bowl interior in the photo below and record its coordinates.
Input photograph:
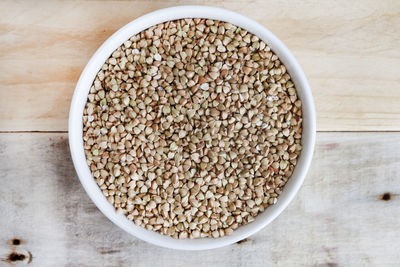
(140, 24)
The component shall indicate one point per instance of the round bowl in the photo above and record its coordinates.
(140, 24)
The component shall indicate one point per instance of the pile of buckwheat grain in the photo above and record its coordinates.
(192, 128)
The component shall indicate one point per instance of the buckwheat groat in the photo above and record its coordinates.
(192, 128)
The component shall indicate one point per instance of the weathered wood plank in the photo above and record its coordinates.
(349, 51)
(338, 216)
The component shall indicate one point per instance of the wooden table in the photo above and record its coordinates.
(347, 211)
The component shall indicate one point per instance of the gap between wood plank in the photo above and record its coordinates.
(6, 132)
(364, 131)
(339, 131)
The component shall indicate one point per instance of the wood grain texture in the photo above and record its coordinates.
(349, 50)
(341, 216)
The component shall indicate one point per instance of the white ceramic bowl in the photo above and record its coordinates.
(140, 24)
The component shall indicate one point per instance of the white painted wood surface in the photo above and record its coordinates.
(337, 219)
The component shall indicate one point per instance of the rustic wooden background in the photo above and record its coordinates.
(346, 213)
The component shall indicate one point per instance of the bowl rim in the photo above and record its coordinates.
(75, 129)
